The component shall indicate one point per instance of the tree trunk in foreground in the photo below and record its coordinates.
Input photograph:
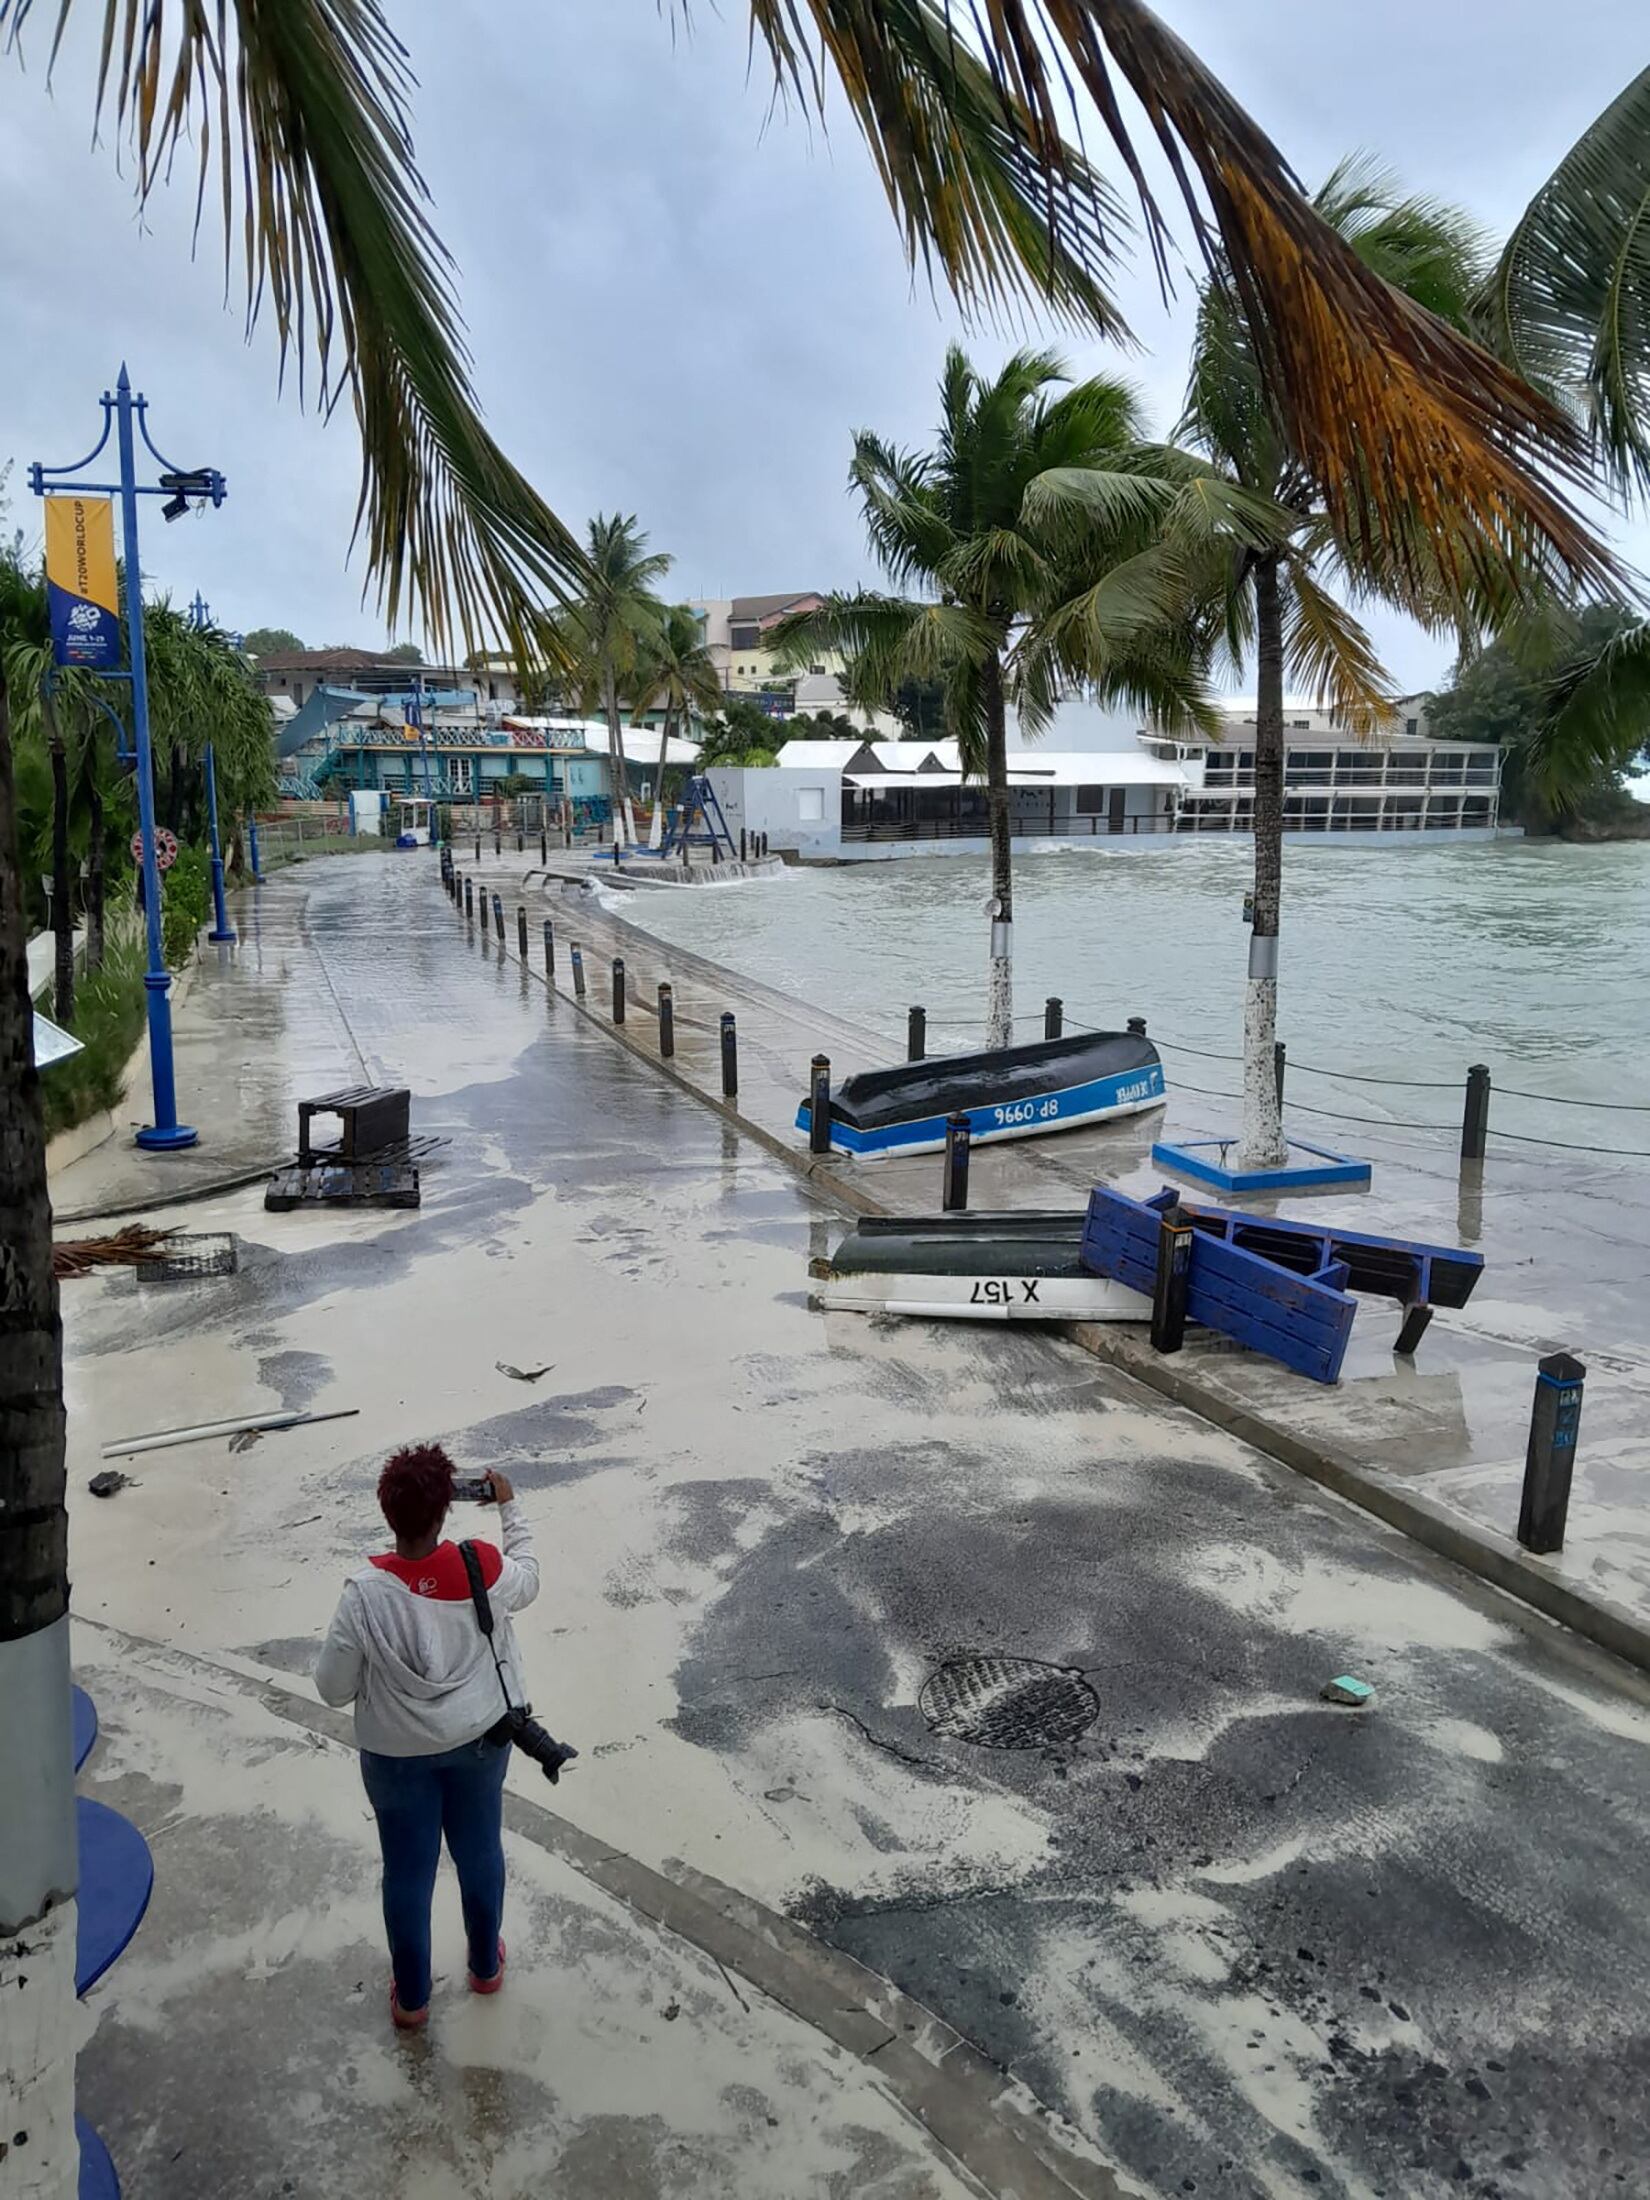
(1263, 1145)
(62, 889)
(40, 2020)
(656, 831)
(999, 993)
(624, 820)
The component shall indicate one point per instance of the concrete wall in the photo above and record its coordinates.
(797, 808)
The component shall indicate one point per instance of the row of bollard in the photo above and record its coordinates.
(752, 847)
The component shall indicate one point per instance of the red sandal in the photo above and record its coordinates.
(489, 1985)
(407, 2020)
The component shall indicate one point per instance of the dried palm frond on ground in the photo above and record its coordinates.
(79, 1256)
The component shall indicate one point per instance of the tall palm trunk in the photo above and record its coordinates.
(39, 2017)
(656, 831)
(624, 818)
(1263, 1145)
(174, 789)
(999, 990)
(94, 874)
(62, 887)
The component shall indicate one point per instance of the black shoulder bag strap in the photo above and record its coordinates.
(484, 1612)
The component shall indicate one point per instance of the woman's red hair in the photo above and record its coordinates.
(415, 1490)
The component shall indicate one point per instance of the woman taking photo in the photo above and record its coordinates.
(406, 1648)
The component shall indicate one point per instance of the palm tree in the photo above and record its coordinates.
(1271, 588)
(676, 675)
(609, 632)
(1033, 525)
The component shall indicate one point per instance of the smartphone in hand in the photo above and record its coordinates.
(472, 1489)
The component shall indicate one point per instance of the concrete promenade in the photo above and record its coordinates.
(787, 1928)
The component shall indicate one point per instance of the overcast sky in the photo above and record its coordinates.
(679, 306)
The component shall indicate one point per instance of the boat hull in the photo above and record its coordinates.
(1014, 1092)
(1013, 1267)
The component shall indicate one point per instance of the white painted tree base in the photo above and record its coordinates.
(1263, 1145)
(42, 2027)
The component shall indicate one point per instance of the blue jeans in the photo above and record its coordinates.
(459, 1793)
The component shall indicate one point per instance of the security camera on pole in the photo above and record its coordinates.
(86, 631)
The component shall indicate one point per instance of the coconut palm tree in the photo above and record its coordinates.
(1032, 526)
(1272, 585)
(676, 675)
(608, 632)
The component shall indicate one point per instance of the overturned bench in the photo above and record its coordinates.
(372, 1164)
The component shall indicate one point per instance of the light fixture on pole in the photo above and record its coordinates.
(85, 631)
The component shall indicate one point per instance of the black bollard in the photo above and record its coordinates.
(618, 989)
(544, 848)
(1475, 1119)
(1174, 1269)
(520, 844)
(521, 933)
(576, 958)
(469, 897)
(954, 1194)
(667, 1021)
(1054, 1016)
(730, 1056)
(498, 842)
(1555, 1420)
(498, 917)
(1137, 1024)
(549, 952)
(1280, 1056)
(741, 843)
(916, 1034)
(478, 847)
(819, 1104)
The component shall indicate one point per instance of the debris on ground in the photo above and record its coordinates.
(1344, 1689)
(79, 1256)
(161, 1439)
(523, 1374)
(108, 1482)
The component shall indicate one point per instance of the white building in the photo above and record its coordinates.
(867, 800)
(1399, 780)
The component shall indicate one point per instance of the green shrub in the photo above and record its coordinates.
(108, 1019)
(186, 897)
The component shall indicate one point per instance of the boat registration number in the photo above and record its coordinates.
(1005, 1291)
(1026, 1111)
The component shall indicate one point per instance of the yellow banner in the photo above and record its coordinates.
(81, 583)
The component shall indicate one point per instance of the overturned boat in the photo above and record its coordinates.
(1013, 1267)
(1012, 1092)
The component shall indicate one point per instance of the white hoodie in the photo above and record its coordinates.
(405, 1647)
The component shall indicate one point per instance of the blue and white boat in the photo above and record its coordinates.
(1015, 1092)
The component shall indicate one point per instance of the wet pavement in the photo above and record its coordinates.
(1244, 1941)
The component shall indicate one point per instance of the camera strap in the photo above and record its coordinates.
(484, 1612)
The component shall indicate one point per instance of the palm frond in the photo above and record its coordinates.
(984, 189)
(297, 113)
(1388, 410)
(890, 638)
(1594, 718)
(1326, 650)
(1569, 301)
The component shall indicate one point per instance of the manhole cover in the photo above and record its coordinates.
(1009, 1703)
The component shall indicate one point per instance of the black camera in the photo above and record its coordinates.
(518, 1725)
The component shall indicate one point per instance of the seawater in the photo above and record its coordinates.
(1398, 961)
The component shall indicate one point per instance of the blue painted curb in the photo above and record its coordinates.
(1189, 1157)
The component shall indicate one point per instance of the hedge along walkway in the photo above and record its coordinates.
(1436, 1451)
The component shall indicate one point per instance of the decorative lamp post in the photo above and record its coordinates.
(80, 638)
(222, 933)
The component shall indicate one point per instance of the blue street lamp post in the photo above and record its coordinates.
(205, 485)
(222, 933)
